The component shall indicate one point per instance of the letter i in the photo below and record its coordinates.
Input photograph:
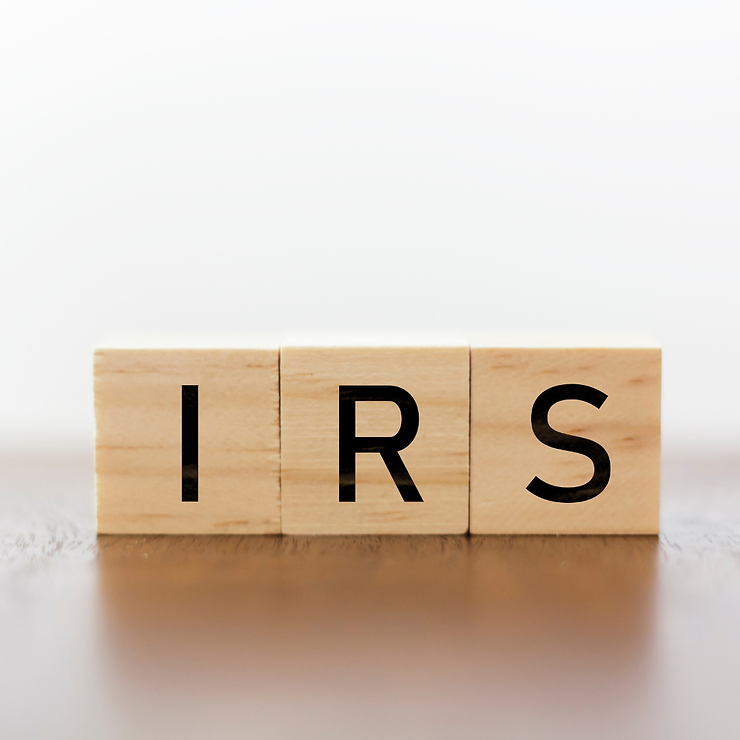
(190, 443)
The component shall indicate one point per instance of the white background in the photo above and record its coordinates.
(285, 166)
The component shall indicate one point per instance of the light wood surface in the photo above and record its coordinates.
(138, 404)
(506, 455)
(437, 459)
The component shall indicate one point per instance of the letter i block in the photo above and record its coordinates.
(188, 441)
(374, 439)
(565, 441)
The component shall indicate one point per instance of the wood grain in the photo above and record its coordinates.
(138, 447)
(183, 637)
(437, 459)
(505, 454)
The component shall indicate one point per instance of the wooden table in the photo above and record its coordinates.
(367, 637)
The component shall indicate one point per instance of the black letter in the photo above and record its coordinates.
(388, 447)
(190, 443)
(548, 436)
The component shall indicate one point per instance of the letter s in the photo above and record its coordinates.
(560, 441)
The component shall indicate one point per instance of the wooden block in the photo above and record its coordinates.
(322, 387)
(619, 410)
(176, 425)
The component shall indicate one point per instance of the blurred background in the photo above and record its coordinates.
(221, 167)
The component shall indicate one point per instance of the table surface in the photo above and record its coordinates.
(367, 637)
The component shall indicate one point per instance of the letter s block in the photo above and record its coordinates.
(188, 440)
(565, 440)
(374, 439)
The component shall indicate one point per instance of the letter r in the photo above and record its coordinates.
(387, 447)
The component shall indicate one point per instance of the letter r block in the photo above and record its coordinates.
(374, 439)
(188, 440)
(540, 413)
